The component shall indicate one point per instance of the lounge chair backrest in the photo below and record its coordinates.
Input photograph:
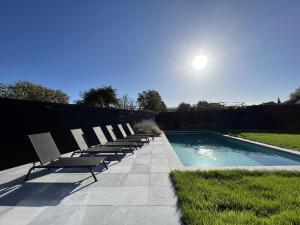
(122, 130)
(78, 136)
(45, 147)
(111, 132)
(130, 129)
(100, 135)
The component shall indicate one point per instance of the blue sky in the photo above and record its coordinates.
(253, 47)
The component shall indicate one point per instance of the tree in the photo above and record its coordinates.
(29, 91)
(126, 102)
(295, 94)
(204, 105)
(99, 97)
(278, 101)
(183, 107)
(151, 100)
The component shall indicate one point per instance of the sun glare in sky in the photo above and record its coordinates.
(200, 62)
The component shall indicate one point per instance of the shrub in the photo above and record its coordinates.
(147, 127)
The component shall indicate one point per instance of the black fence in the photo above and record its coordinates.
(20, 118)
(268, 117)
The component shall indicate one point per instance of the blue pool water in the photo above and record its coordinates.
(213, 150)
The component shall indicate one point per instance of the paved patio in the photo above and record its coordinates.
(135, 191)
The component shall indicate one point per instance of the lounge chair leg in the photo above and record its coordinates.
(92, 172)
(33, 165)
(105, 165)
(29, 171)
(118, 157)
(132, 150)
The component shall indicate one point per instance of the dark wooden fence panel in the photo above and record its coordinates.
(20, 118)
(283, 117)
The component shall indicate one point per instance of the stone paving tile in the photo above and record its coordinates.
(127, 195)
(76, 198)
(109, 195)
(158, 156)
(63, 215)
(147, 146)
(126, 161)
(143, 156)
(127, 215)
(110, 179)
(146, 151)
(171, 156)
(4, 209)
(17, 170)
(33, 194)
(160, 179)
(95, 215)
(119, 169)
(158, 142)
(158, 151)
(142, 161)
(160, 169)
(134, 195)
(20, 215)
(163, 215)
(137, 180)
(130, 155)
(73, 215)
(161, 195)
(159, 162)
(9, 180)
(140, 169)
(64, 178)
(158, 147)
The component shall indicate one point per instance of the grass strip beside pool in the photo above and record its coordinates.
(238, 196)
(291, 141)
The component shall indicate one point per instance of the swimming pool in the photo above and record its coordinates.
(206, 149)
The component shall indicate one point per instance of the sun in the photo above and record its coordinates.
(200, 62)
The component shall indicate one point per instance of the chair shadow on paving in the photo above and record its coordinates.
(38, 194)
(49, 192)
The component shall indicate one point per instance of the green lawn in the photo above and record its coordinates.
(238, 197)
(291, 141)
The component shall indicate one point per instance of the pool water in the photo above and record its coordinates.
(212, 150)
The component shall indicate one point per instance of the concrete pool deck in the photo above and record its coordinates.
(135, 191)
